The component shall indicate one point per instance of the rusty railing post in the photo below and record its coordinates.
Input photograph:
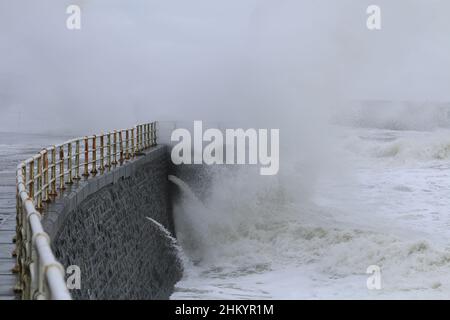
(94, 155)
(102, 153)
(19, 240)
(115, 149)
(86, 157)
(77, 160)
(108, 149)
(133, 147)
(61, 168)
(121, 159)
(143, 143)
(144, 136)
(53, 191)
(149, 135)
(153, 133)
(69, 164)
(45, 195)
(24, 174)
(39, 182)
(127, 144)
(31, 178)
(140, 137)
(137, 139)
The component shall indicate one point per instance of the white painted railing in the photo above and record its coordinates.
(40, 275)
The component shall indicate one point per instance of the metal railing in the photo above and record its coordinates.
(41, 178)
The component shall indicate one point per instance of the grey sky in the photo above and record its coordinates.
(202, 59)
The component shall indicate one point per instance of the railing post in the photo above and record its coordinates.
(140, 137)
(155, 137)
(31, 178)
(69, 163)
(39, 181)
(94, 155)
(127, 144)
(61, 168)
(53, 192)
(153, 133)
(86, 157)
(137, 139)
(27, 279)
(115, 149)
(143, 142)
(102, 153)
(33, 266)
(17, 239)
(144, 136)
(150, 132)
(147, 135)
(24, 175)
(20, 223)
(144, 139)
(108, 163)
(77, 160)
(45, 196)
(133, 147)
(121, 159)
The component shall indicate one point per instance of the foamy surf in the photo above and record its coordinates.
(267, 243)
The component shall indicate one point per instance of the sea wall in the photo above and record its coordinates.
(101, 226)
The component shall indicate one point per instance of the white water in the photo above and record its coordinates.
(385, 202)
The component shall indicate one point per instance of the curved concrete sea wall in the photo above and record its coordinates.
(101, 226)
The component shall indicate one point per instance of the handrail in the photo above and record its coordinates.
(40, 178)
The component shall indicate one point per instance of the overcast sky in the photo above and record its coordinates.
(208, 59)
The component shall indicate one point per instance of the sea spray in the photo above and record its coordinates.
(185, 188)
(281, 243)
(191, 221)
(171, 240)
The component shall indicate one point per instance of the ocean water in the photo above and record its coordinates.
(381, 197)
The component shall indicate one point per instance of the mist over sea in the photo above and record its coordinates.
(379, 196)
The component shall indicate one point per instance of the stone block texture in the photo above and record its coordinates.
(121, 254)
